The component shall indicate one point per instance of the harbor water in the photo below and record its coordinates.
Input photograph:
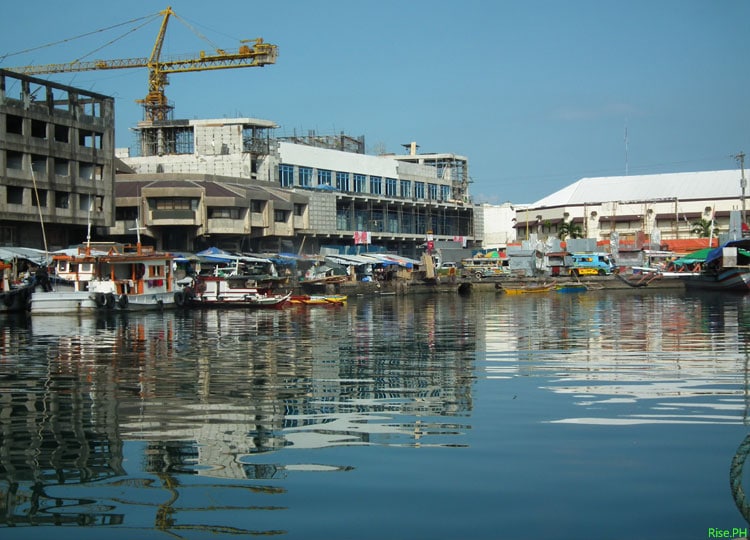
(604, 414)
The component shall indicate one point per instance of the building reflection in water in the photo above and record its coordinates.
(208, 406)
(207, 391)
(651, 359)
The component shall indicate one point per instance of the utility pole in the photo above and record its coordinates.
(743, 183)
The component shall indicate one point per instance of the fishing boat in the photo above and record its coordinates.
(319, 299)
(571, 287)
(13, 297)
(726, 268)
(232, 291)
(106, 278)
(527, 289)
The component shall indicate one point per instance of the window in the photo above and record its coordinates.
(324, 177)
(90, 139)
(126, 213)
(419, 190)
(360, 183)
(257, 207)
(85, 171)
(299, 209)
(14, 160)
(342, 181)
(62, 134)
(39, 164)
(432, 191)
(92, 108)
(62, 167)
(14, 194)
(445, 193)
(286, 174)
(376, 185)
(172, 203)
(280, 216)
(305, 176)
(405, 188)
(42, 196)
(224, 213)
(62, 199)
(38, 129)
(14, 124)
(85, 202)
(390, 187)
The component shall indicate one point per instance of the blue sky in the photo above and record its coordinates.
(536, 93)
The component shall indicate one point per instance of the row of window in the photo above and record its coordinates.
(60, 199)
(217, 212)
(61, 166)
(361, 183)
(392, 222)
(58, 133)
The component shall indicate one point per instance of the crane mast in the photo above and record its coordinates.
(251, 53)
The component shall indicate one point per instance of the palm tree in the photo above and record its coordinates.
(569, 229)
(704, 228)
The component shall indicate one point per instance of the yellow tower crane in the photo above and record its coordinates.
(252, 53)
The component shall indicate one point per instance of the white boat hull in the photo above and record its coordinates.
(232, 292)
(57, 302)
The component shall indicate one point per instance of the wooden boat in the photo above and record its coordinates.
(13, 297)
(18, 277)
(727, 268)
(319, 299)
(528, 289)
(232, 291)
(123, 278)
(571, 287)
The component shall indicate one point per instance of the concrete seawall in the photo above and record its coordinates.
(466, 286)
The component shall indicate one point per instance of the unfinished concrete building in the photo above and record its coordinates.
(56, 162)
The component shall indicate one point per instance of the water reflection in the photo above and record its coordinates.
(652, 359)
(199, 420)
(207, 391)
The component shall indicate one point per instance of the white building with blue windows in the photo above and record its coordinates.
(288, 193)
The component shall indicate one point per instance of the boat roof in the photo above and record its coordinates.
(742, 245)
(37, 256)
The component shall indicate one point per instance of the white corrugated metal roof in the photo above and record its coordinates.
(691, 185)
(347, 260)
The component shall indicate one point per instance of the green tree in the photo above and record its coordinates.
(569, 229)
(703, 227)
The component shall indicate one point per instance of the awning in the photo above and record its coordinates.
(742, 248)
(694, 257)
(387, 258)
(214, 254)
(350, 260)
(36, 256)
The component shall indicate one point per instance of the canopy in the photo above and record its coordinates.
(694, 257)
(184, 257)
(743, 248)
(216, 255)
(36, 256)
(390, 259)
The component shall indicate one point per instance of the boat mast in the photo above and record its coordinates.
(41, 218)
(743, 183)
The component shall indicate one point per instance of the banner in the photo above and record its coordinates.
(362, 237)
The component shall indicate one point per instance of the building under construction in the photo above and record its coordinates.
(294, 195)
(56, 162)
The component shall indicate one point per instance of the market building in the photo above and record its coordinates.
(654, 208)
